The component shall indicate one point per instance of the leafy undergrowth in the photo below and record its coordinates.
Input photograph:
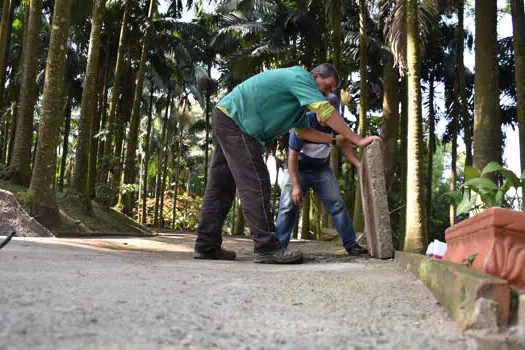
(75, 222)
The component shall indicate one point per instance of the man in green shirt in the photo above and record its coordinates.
(263, 107)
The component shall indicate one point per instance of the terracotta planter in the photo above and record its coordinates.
(498, 236)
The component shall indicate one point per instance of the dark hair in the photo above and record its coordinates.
(326, 70)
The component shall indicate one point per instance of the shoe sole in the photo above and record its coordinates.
(273, 260)
(211, 257)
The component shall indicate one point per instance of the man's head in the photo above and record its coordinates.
(326, 77)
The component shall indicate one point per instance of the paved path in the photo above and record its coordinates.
(149, 293)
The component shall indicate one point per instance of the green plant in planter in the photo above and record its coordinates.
(479, 192)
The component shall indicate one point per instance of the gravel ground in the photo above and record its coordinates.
(149, 293)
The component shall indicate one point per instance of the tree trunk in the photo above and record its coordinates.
(453, 156)
(177, 167)
(41, 194)
(20, 161)
(518, 24)
(431, 148)
(359, 221)
(160, 156)
(94, 149)
(115, 95)
(462, 86)
(486, 99)
(65, 145)
(403, 155)
(239, 224)
(390, 125)
(305, 215)
(80, 182)
(129, 166)
(416, 236)
(163, 187)
(147, 152)
(5, 25)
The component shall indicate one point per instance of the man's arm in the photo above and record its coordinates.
(336, 122)
(327, 114)
(293, 170)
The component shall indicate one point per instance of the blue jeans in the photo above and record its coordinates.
(322, 180)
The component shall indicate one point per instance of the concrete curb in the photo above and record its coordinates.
(474, 299)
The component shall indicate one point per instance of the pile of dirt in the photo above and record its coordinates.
(14, 217)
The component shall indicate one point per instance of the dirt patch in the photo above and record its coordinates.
(14, 217)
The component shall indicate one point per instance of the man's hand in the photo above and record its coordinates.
(368, 140)
(297, 195)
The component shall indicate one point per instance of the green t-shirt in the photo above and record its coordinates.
(270, 103)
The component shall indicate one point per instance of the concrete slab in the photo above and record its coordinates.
(375, 203)
(473, 298)
(148, 293)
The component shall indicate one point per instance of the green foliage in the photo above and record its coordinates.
(484, 192)
(187, 212)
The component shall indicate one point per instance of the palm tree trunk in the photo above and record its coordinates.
(163, 186)
(486, 99)
(335, 156)
(65, 145)
(129, 166)
(177, 173)
(41, 194)
(518, 24)
(21, 158)
(115, 94)
(160, 156)
(416, 236)
(94, 150)
(359, 221)
(464, 114)
(239, 224)
(305, 215)
(147, 152)
(88, 110)
(431, 147)
(207, 141)
(5, 26)
(453, 158)
(390, 125)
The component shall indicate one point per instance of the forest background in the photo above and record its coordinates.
(108, 103)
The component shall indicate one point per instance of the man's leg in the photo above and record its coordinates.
(217, 201)
(287, 212)
(328, 191)
(245, 160)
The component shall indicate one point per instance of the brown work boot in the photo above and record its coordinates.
(278, 256)
(217, 254)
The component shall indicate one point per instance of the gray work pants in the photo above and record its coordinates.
(236, 162)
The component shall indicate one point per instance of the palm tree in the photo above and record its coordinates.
(20, 162)
(80, 183)
(115, 93)
(5, 25)
(486, 99)
(359, 222)
(41, 194)
(462, 86)
(416, 235)
(126, 200)
(518, 23)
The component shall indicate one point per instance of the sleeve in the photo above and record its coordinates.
(302, 85)
(323, 109)
(334, 101)
(295, 142)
